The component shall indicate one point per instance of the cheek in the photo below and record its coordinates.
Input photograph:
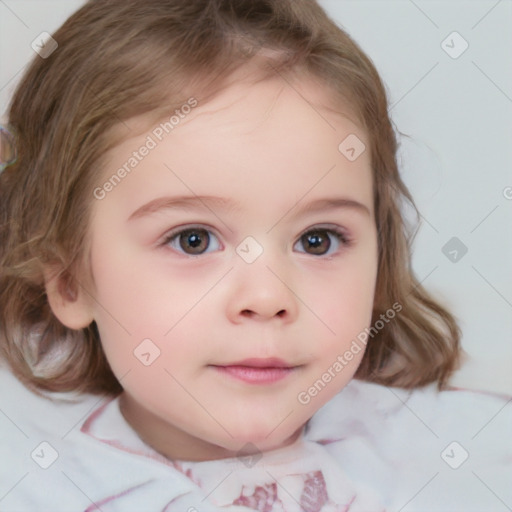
(144, 298)
(144, 318)
(344, 301)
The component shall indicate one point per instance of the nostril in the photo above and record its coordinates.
(250, 313)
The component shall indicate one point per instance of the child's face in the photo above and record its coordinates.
(259, 161)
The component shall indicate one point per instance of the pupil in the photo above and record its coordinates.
(194, 240)
(315, 240)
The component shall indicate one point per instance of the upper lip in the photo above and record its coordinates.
(255, 362)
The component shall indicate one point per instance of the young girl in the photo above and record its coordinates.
(205, 282)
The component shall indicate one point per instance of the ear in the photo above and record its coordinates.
(70, 303)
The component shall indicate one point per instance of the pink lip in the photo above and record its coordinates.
(256, 362)
(257, 371)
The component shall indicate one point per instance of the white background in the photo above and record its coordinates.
(456, 152)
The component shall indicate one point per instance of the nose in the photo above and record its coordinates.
(261, 293)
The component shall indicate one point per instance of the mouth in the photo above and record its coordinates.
(257, 371)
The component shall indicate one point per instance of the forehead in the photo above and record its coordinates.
(275, 137)
(251, 91)
(253, 95)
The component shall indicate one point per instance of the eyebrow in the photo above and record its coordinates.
(188, 203)
(201, 203)
(335, 203)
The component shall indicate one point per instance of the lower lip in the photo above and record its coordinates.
(254, 375)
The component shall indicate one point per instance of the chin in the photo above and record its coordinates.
(258, 439)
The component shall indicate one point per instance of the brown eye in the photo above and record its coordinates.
(194, 241)
(322, 241)
(316, 242)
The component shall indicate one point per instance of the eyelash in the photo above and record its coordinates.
(337, 233)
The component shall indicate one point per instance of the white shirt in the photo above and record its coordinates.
(371, 448)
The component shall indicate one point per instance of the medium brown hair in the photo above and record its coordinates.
(118, 59)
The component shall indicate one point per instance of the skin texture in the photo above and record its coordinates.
(270, 150)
